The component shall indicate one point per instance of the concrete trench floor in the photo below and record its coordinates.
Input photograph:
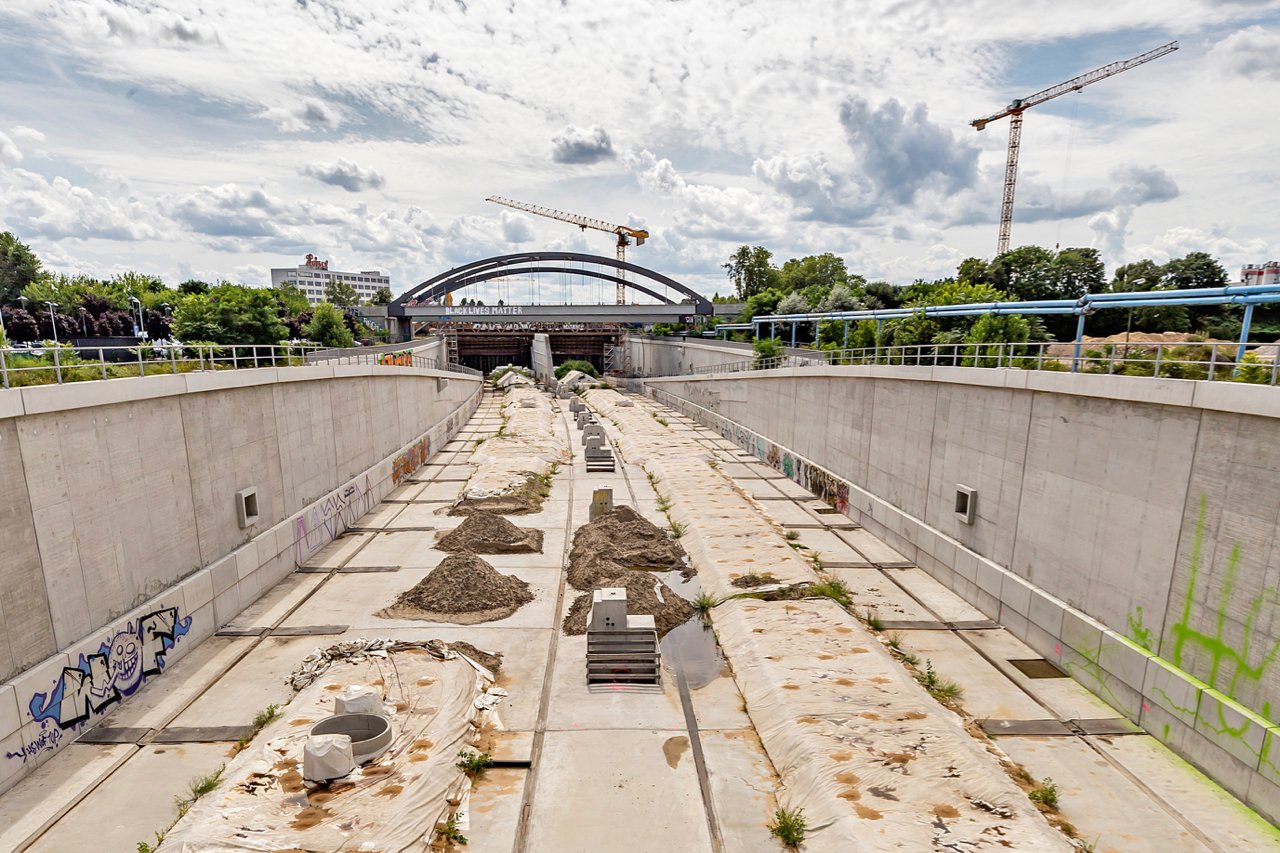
(613, 768)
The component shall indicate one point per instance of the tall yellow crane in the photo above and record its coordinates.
(1016, 108)
(625, 233)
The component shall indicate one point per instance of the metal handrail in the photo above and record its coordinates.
(62, 364)
(1156, 360)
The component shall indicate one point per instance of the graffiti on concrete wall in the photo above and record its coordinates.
(329, 517)
(118, 669)
(403, 358)
(409, 461)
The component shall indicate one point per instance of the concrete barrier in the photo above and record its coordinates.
(140, 515)
(1123, 527)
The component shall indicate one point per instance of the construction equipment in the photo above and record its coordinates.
(624, 233)
(1016, 108)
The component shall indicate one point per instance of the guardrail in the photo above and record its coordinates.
(62, 364)
(1192, 360)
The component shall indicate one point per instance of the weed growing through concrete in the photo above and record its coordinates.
(704, 602)
(793, 535)
(788, 826)
(197, 788)
(677, 530)
(265, 716)
(659, 418)
(450, 832)
(942, 689)
(873, 620)
(1046, 793)
(834, 589)
(474, 763)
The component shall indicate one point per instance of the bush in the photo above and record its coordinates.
(328, 327)
(766, 349)
(1253, 370)
(586, 367)
(788, 826)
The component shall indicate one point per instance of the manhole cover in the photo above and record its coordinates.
(1038, 668)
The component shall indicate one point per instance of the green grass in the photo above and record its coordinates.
(833, 589)
(474, 763)
(677, 530)
(793, 535)
(144, 847)
(704, 602)
(873, 620)
(944, 689)
(266, 715)
(197, 788)
(659, 418)
(1046, 793)
(788, 826)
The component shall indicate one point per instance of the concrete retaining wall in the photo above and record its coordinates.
(122, 547)
(540, 354)
(1125, 527)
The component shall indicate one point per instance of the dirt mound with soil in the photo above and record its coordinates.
(526, 500)
(585, 572)
(491, 661)
(626, 538)
(463, 589)
(646, 595)
(488, 533)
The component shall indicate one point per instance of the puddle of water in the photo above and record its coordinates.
(691, 648)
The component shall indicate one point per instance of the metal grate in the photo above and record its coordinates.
(1038, 668)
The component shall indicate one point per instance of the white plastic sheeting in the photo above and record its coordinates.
(441, 703)
(505, 464)
(874, 761)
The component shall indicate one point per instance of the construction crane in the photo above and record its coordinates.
(1015, 110)
(625, 233)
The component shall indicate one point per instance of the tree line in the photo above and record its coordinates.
(193, 312)
(819, 283)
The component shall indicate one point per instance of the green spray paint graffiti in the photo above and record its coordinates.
(1226, 661)
(1138, 632)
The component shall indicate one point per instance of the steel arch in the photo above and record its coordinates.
(495, 267)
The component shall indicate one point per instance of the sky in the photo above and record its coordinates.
(216, 139)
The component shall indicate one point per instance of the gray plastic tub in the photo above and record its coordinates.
(370, 733)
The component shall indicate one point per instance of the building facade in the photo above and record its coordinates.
(313, 277)
(1268, 273)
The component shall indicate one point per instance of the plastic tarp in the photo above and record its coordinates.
(439, 703)
(873, 760)
(505, 464)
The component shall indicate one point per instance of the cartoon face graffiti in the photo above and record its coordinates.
(126, 661)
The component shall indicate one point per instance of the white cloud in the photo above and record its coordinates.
(1231, 252)
(29, 133)
(57, 209)
(9, 152)
(1253, 52)
(583, 145)
(345, 174)
(516, 227)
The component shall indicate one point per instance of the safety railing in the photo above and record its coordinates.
(60, 364)
(1191, 360)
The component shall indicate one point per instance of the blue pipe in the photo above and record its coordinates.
(1244, 332)
(1075, 359)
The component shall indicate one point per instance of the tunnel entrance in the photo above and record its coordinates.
(487, 349)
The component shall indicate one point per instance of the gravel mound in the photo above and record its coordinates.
(487, 533)
(643, 592)
(463, 589)
(624, 537)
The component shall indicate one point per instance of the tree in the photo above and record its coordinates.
(1196, 269)
(381, 296)
(1025, 273)
(196, 319)
(193, 285)
(793, 303)
(1141, 275)
(839, 298)
(21, 326)
(751, 272)
(813, 275)
(341, 293)
(765, 302)
(19, 268)
(328, 327)
(291, 298)
(1076, 272)
(881, 294)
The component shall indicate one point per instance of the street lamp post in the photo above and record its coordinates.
(53, 320)
(137, 304)
(83, 313)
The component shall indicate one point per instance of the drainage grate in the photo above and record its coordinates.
(1038, 668)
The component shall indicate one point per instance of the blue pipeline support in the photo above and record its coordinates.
(846, 335)
(1244, 331)
(794, 324)
(1075, 359)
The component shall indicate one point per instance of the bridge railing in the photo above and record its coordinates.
(60, 364)
(1203, 361)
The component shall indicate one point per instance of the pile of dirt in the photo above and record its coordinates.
(489, 533)
(624, 537)
(491, 661)
(752, 580)
(463, 589)
(525, 500)
(646, 595)
(587, 571)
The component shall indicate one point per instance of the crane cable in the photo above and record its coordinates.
(1066, 167)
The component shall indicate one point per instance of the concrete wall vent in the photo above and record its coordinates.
(966, 503)
(247, 506)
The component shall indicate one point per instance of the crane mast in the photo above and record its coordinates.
(1017, 107)
(624, 233)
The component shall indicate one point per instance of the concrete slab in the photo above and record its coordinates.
(648, 803)
(406, 548)
(337, 552)
(574, 707)
(830, 548)
(792, 489)
(874, 550)
(253, 683)
(1065, 697)
(135, 802)
(1103, 805)
(1213, 811)
(39, 799)
(495, 810)
(438, 491)
(162, 698)
(276, 602)
(379, 516)
(948, 606)
(871, 590)
(789, 514)
(988, 693)
(743, 783)
(421, 515)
